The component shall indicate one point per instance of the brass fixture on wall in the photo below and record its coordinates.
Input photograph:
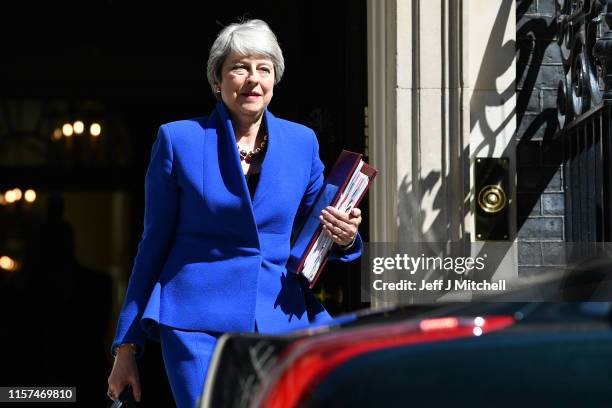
(492, 212)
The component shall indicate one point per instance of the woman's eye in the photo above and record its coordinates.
(266, 69)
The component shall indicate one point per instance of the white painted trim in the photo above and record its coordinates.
(382, 102)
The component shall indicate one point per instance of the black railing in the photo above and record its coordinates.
(588, 192)
(581, 25)
(584, 111)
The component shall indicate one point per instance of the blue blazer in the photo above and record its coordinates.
(210, 258)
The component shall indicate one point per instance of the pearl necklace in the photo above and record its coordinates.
(248, 156)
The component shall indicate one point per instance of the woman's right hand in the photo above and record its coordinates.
(124, 372)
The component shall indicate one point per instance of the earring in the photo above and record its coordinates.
(218, 90)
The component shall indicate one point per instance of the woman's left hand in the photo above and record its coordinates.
(340, 226)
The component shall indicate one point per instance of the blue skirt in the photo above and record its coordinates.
(186, 355)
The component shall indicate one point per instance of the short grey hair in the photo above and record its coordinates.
(248, 38)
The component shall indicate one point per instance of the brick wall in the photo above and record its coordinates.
(540, 197)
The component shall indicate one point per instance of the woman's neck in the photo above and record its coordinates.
(247, 130)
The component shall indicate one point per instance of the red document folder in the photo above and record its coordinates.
(335, 184)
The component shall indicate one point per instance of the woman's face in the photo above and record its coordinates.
(247, 85)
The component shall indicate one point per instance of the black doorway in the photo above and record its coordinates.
(136, 66)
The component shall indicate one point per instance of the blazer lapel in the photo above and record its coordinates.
(221, 146)
(231, 167)
(271, 163)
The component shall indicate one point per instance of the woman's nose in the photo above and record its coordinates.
(253, 76)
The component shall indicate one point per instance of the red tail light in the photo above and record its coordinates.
(428, 325)
(312, 359)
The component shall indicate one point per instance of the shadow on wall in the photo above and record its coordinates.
(411, 193)
(435, 226)
(539, 154)
(501, 55)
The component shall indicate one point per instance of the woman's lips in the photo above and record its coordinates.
(251, 96)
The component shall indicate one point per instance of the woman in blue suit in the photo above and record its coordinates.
(223, 195)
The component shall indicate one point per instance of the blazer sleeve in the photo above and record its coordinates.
(160, 217)
(315, 185)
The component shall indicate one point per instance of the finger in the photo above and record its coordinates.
(113, 386)
(351, 219)
(356, 222)
(340, 239)
(336, 238)
(331, 220)
(342, 234)
(334, 215)
(355, 217)
(114, 392)
(342, 215)
(136, 391)
(327, 230)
